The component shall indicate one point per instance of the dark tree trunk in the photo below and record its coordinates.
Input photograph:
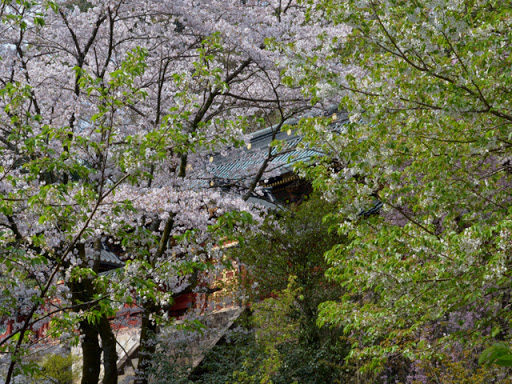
(83, 293)
(108, 341)
(147, 347)
(91, 353)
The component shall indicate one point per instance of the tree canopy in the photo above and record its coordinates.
(430, 139)
(110, 112)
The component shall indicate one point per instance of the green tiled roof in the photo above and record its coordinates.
(243, 163)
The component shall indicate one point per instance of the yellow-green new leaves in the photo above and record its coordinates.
(429, 137)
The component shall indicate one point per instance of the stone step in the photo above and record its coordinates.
(128, 376)
(217, 323)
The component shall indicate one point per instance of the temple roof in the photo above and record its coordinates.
(242, 163)
(107, 258)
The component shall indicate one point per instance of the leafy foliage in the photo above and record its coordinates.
(282, 342)
(58, 369)
(498, 353)
(291, 243)
(429, 137)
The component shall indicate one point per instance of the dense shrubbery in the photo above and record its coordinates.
(57, 369)
(281, 341)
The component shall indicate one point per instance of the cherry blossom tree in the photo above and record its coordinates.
(110, 111)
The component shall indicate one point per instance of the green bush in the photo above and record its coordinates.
(57, 369)
(280, 342)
